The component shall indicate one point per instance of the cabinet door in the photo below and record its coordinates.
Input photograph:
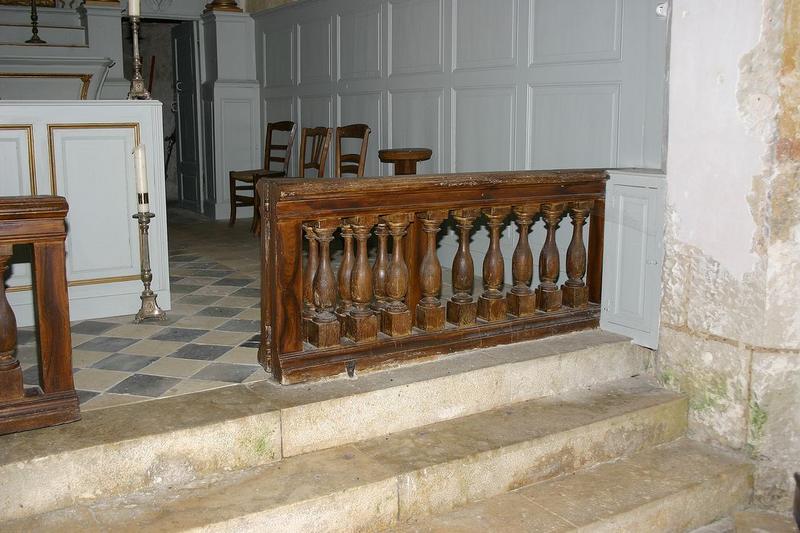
(634, 236)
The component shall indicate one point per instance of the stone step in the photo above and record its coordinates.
(53, 35)
(128, 448)
(380, 482)
(675, 487)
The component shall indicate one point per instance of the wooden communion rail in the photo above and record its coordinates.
(317, 322)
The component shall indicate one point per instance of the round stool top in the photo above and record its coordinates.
(405, 154)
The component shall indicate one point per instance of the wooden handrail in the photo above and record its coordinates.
(314, 327)
(37, 220)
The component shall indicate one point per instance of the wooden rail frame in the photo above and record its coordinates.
(289, 206)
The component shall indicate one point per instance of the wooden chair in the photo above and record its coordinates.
(351, 163)
(273, 153)
(319, 140)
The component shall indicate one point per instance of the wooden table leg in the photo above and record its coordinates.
(10, 371)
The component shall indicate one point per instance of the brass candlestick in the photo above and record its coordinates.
(138, 90)
(35, 39)
(150, 308)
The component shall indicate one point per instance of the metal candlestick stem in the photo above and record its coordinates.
(138, 90)
(35, 39)
(150, 308)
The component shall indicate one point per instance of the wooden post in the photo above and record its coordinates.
(521, 299)
(491, 304)
(594, 273)
(10, 371)
(576, 294)
(430, 311)
(324, 329)
(361, 323)
(461, 309)
(396, 317)
(548, 295)
(345, 272)
(312, 262)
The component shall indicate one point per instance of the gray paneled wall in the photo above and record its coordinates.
(487, 84)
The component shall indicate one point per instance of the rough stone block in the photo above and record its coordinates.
(461, 314)
(521, 304)
(396, 323)
(324, 334)
(431, 318)
(492, 309)
(548, 300)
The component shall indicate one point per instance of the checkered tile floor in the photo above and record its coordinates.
(211, 336)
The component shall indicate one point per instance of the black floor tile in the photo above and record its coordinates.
(226, 372)
(201, 352)
(200, 299)
(106, 344)
(240, 325)
(30, 376)
(247, 292)
(85, 395)
(234, 282)
(178, 334)
(225, 312)
(144, 385)
(92, 327)
(25, 336)
(124, 362)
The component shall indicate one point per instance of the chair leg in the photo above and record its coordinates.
(232, 183)
(256, 213)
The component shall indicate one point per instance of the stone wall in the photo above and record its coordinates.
(730, 335)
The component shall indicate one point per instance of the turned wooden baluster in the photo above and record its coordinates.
(312, 262)
(548, 295)
(10, 372)
(491, 304)
(361, 323)
(345, 272)
(396, 318)
(521, 298)
(430, 311)
(324, 329)
(576, 293)
(461, 309)
(380, 267)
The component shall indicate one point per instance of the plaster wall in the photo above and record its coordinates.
(730, 334)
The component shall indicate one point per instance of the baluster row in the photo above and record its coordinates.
(375, 299)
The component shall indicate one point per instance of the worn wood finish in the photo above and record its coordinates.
(317, 142)
(405, 159)
(575, 292)
(351, 163)
(594, 269)
(310, 270)
(37, 220)
(273, 153)
(406, 283)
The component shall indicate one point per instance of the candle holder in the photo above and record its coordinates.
(150, 308)
(138, 90)
(35, 39)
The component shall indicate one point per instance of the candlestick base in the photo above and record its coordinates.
(149, 309)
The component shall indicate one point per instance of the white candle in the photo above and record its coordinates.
(134, 8)
(140, 169)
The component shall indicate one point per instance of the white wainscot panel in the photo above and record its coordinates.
(106, 220)
(360, 44)
(315, 51)
(415, 27)
(573, 126)
(237, 150)
(19, 169)
(277, 109)
(315, 111)
(483, 129)
(415, 121)
(484, 34)
(278, 57)
(358, 108)
(575, 31)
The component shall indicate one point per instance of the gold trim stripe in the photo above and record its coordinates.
(82, 282)
(28, 129)
(83, 126)
(85, 78)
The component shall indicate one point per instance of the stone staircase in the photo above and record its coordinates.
(559, 434)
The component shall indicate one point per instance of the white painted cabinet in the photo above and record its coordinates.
(634, 251)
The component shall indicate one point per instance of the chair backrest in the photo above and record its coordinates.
(319, 141)
(284, 151)
(351, 163)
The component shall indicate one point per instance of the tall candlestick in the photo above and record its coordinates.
(140, 169)
(134, 8)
